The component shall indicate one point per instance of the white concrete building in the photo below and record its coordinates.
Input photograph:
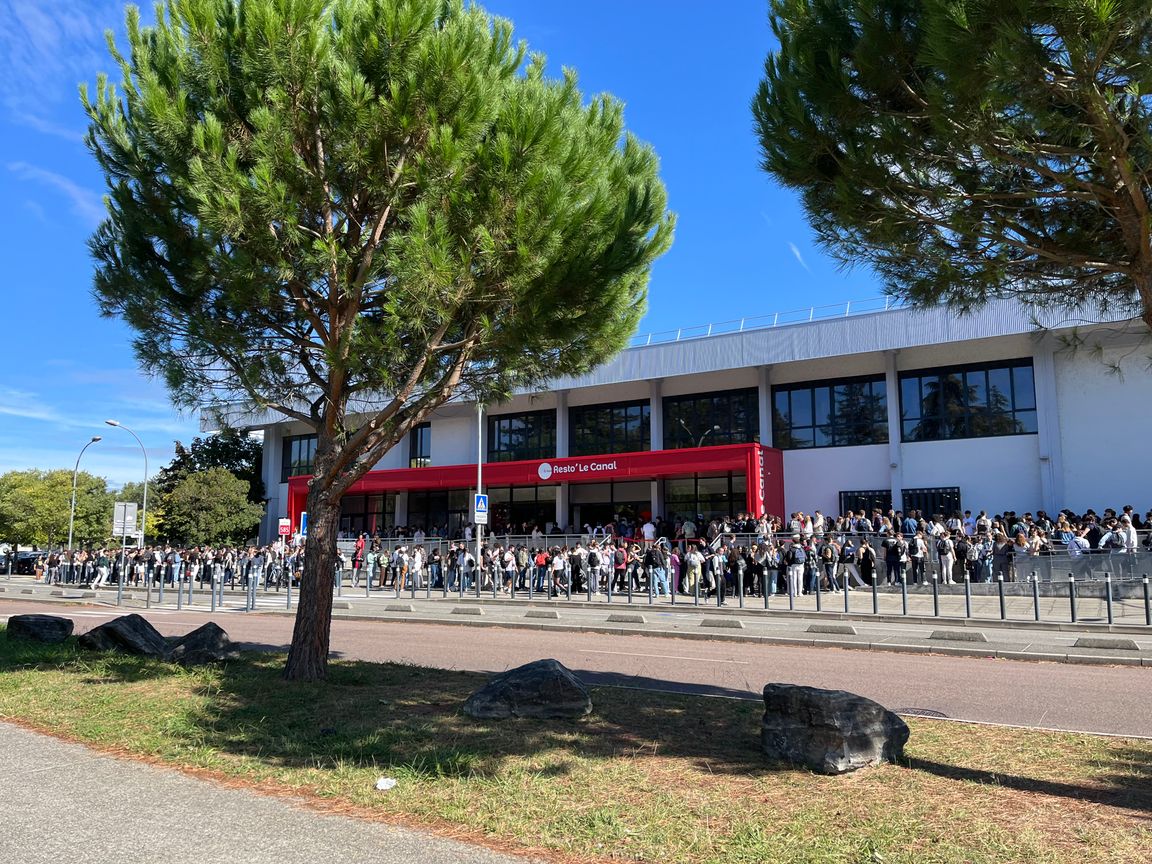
(903, 408)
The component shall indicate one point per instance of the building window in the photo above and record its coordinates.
(702, 420)
(944, 501)
(620, 428)
(705, 498)
(843, 413)
(420, 446)
(298, 456)
(976, 401)
(512, 437)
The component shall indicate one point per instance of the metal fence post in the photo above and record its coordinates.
(1108, 595)
(967, 594)
(904, 592)
(212, 585)
(740, 585)
(817, 583)
(189, 589)
(1035, 595)
(935, 596)
(844, 588)
(1000, 589)
(1147, 604)
(1072, 595)
(696, 588)
(568, 583)
(791, 594)
(288, 594)
(179, 593)
(875, 596)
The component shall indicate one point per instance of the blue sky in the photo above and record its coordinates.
(686, 75)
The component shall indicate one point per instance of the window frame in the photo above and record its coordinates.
(978, 420)
(831, 440)
(617, 415)
(543, 447)
(419, 434)
(287, 461)
(674, 433)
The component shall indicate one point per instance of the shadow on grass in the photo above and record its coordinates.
(1128, 791)
(407, 719)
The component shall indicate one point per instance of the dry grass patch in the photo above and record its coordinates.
(648, 777)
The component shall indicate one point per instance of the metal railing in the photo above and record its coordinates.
(764, 322)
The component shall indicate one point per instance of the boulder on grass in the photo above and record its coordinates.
(829, 731)
(130, 634)
(39, 628)
(543, 690)
(206, 644)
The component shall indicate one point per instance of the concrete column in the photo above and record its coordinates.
(562, 507)
(892, 383)
(656, 419)
(1048, 425)
(657, 497)
(561, 425)
(764, 387)
(402, 508)
(276, 491)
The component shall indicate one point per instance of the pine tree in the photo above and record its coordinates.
(347, 212)
(970, 149)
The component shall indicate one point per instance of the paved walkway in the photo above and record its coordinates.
(63, 802)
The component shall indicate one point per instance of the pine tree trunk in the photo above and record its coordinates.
(312, 633)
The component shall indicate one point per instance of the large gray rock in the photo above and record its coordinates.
(130, 634)
(206, 644)
(544, 690)
(829, 731)
(39, 628)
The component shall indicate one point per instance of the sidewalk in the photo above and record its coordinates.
(1018, 638)
(64, 802)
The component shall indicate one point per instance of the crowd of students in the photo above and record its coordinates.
(800, 555)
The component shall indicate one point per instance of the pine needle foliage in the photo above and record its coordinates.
(349, 211)
(971, 149)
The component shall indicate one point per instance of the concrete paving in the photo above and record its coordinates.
(63, 802)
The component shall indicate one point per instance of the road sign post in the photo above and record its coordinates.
(284, 527)
(480, 509)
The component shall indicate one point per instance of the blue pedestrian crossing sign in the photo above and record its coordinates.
(480, 508)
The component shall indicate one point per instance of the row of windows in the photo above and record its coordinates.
(976, 401)
(936, 404)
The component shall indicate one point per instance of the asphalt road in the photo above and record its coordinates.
(1107, 699)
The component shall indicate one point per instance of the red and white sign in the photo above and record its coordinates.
(285, 527)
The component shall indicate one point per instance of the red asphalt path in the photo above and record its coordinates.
(1106, 699)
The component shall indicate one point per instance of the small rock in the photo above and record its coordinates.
(544, 689)
(829, 731)
(206, 644)
(40, 628)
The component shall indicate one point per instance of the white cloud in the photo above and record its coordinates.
(799, 257)
(85, 203)
(38, 123)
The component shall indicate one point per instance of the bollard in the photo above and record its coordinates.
(967, 594)
(367, 583)
(1035, 596)
(935, 596)
(1147, 604)
(904, 593)
(791, 595)
(611, 574)
(696, 590)
(120, 590)
(593, 576)
(568, 583)
(628, 578)
(1108, 595)
(1072, 595)
(160, 591)
(339, 581)
(875, 596)
(428, 586)
(651, 596)
(189, 589)
(531, 581)
(845, 590)
(817, 583)
(1000, 589)
(213, 603)
(288, 594)
(764, 585)
(179, 595)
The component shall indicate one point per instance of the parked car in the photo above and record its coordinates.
(27, 562)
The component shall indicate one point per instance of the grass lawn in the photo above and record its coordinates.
(647, 777)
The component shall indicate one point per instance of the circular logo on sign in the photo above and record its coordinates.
(545, 470)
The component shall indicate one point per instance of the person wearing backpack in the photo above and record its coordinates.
(795, 559)
(946, 554)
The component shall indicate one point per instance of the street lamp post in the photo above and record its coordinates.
(144, 508)
(700, 440)
(75, 472)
